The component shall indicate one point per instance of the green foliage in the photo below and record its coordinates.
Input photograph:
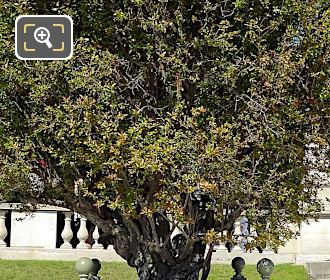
(168, 102)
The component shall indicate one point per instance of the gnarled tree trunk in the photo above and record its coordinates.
(153, 272)
(150, 267)
(149, 245)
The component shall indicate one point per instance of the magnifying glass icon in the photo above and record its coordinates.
(41, 35)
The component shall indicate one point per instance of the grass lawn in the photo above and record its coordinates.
(62, 270)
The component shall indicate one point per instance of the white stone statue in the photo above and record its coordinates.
(244, 226)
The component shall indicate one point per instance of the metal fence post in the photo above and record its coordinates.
(84, 266)
(265, 268)
(238, 264)
(95, 269)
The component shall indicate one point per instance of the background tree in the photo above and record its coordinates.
(170, 115)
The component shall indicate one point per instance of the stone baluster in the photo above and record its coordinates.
(265, 267)
(67, 233)
(252, 236)
(237, 228)
(238, 264)
(3, 229)
(261, 249)
(237, 235)
(96, 236)
(268, 250)
(82, 233)
(221, 245)
(253, 232)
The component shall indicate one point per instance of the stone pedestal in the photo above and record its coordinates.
(36, 230)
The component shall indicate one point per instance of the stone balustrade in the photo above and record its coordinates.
(56, 231)
(47, 229)
(40, 230)
(50, 227)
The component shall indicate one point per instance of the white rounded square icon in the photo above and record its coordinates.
(43, 37)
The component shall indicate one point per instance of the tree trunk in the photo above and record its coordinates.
(154, 258)
(155, 272)
(150, 267)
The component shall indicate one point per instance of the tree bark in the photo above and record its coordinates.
(154, 258)
(150, 266)
(151, 273)
(151, 270)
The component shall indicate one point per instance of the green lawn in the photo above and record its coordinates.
(61, 270)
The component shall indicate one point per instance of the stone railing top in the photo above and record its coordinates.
(41, 207)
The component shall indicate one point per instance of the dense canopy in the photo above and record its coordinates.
(170, 115)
